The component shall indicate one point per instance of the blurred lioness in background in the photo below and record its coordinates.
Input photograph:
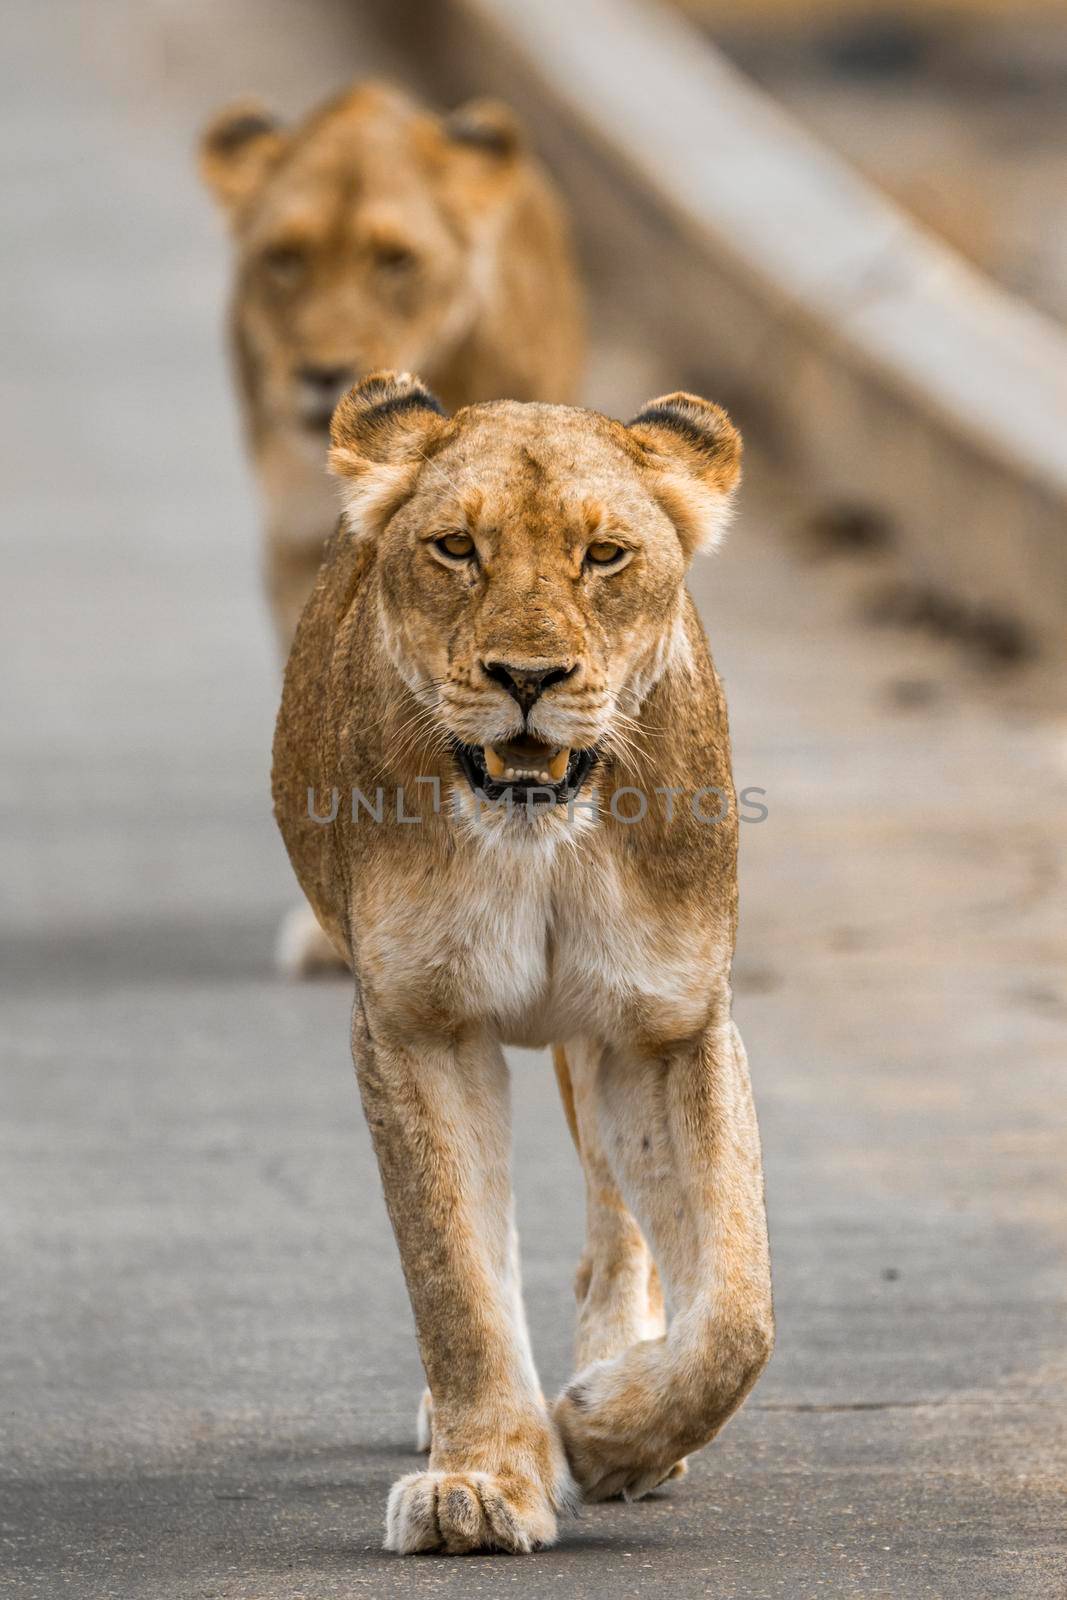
(378, 234)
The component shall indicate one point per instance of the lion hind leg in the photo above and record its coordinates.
(685, 1146)
(620, 1300)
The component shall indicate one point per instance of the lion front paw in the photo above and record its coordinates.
(617, 1439)
(463, 1511)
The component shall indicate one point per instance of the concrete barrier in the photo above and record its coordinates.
(888, 372)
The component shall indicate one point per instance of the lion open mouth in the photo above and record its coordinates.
(525, 768)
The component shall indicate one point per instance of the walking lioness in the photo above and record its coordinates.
(498, 734)
(378, 234)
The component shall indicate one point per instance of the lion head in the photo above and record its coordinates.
(530, 564)
(361, 240)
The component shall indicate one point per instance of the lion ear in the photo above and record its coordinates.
(485, 125)
(238, 148)
(693, 451)
(379, 434)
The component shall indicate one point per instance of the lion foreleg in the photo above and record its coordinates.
(616, 1285)
(684, 1148)
(438, 1115)
(513, 1286)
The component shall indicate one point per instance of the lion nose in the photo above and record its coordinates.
(327, 380)
(526, 684)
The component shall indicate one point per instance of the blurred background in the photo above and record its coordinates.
(845, 221)
(955, 109)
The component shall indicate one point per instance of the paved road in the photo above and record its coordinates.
(208, 1367)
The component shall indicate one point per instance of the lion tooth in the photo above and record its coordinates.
(557, 767)
(493, 764)
(552, 772)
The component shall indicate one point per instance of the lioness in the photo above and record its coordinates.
(377, 234)
(501, 671)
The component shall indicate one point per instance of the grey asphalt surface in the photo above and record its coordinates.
(208, 1368)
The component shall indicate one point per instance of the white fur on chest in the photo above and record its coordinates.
(614, 954)
(505, 931)
(550, 945)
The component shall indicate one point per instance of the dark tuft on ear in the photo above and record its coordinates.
(237, 149)
(226, 137)
(694, 453)
(371, 417)
(380, 438)
(704, 427)
(487, 125)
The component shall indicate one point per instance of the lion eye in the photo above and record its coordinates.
(602, 553)
(394, 258)
(284, 263)
(459, 546)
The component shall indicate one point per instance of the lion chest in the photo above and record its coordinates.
(537, 951)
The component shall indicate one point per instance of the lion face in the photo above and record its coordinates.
(531, 562)
(359, 238)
